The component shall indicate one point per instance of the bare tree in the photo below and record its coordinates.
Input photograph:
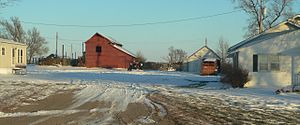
(140, 57)
(175, 56)
(5, 3)
(264, 14)
(13, 30)
(222, 49)
(36, 44)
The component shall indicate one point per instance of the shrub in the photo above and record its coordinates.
(235, 76)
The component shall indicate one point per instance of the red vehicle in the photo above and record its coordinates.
(210, 67)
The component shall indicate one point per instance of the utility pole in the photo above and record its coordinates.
(63, 49)
(71, 51)
(56, 44)
(66, 51)
(205, 41)
(82, 49)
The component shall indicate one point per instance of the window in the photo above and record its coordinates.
(236, 60)
(268, 62)
(21, 56)
(13, 56)
(18, 56)
(255, 63)
(3, 51)
(274, 63)
(98, 49)
(263, 62)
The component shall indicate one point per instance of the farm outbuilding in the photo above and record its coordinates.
(12, 56)
(194, 62)
(102, 51)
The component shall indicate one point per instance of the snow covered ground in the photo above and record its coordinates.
(121, 88)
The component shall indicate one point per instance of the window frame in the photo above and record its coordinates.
(276, 61)
(18, 55)
(266, 63)
(271, 59)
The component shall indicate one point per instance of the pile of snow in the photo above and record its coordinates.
(15, 92)
(39, 113)
(118, 94)
(97, 75)
(249, 98)
(123, 87)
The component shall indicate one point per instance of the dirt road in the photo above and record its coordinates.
(25, 103)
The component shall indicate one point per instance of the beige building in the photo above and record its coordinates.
(12, 55)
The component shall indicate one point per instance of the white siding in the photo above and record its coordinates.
(274, 45)
(195, 66)
(297, 64)
(193, 63)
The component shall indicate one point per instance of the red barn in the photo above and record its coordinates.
(102, 51)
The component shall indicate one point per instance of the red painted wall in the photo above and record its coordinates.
(109, 57)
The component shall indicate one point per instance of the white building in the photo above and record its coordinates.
(193, 63)
(272, 57)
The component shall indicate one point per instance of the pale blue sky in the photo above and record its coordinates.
(152, 40)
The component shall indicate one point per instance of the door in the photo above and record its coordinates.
(13, 57)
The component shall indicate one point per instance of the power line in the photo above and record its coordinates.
(75, 41)
(134, 24)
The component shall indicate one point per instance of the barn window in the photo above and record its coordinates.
(98, 49)
(3, 51)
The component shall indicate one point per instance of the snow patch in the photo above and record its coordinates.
(39, 113)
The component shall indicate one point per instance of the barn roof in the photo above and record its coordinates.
(112, 40)
(11, 42)
(124, 50)
(116, 44)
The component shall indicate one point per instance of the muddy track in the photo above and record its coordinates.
(203, 109)
(118, 104)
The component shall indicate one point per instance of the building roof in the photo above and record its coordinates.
(116, 44)
(124, 50)
(112, 40)
(11, 42)
(268, 34)
(257, 39)
(292, 52)
(204, 47)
